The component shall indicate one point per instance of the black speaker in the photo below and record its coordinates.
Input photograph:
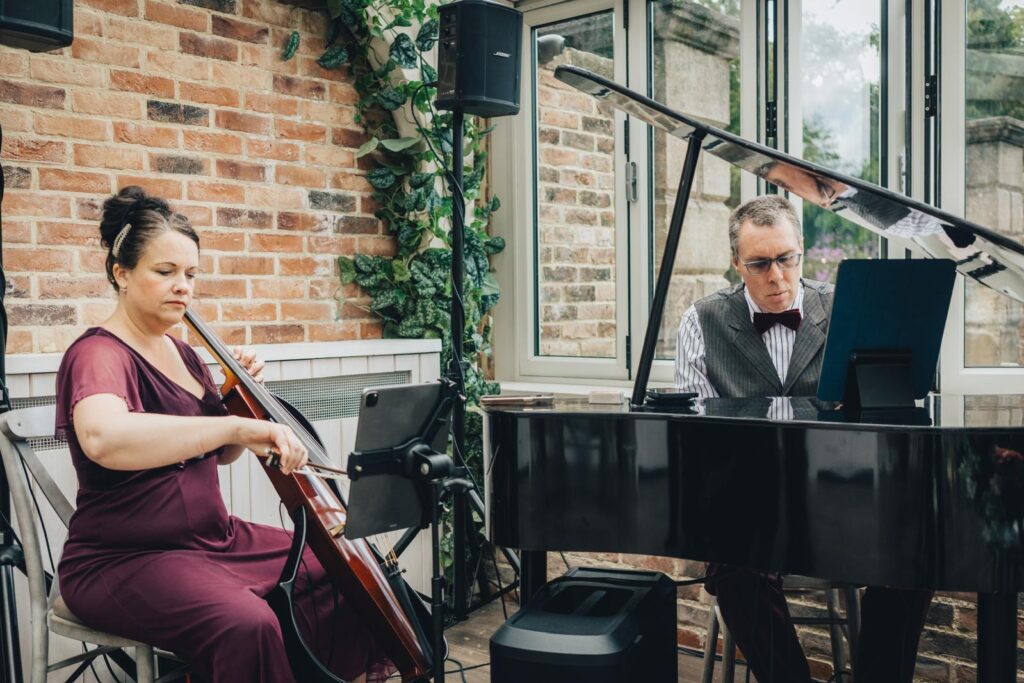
(478, 58)
(36, 25)
(594, 625)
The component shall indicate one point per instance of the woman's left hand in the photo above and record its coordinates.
(252, 364)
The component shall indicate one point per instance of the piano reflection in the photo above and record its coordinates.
(934, 501)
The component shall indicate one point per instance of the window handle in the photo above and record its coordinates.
(632, 194)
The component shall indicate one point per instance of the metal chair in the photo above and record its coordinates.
(840, 626)
(47, 611)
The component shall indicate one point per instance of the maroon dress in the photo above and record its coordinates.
(153, 554)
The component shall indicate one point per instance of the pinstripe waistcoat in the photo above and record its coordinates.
(738, 364)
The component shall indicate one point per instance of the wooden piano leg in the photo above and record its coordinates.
(534, 573)
(997, 637)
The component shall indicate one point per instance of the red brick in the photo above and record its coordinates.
(244, 218)
(27, 315)
(73, 181)
(245, 123)
(74, 288)
(277, 334)
(270, 242)
(371, 330)
(209, 94)
(141, 134)
(168, 189)
(269, 13)
(175, 64)
(15, 120)
(222, 240)
(275, 197)
(305, 222)
(52, 70)
(266, 58)
(220, 288)
(229, 72)
(376, 246)
(307, 310)
(346, 180)
(219, 143)
(266, 149)
(241, 170)
(308, 66)
(249, 311)
(206, 46)
(127, 8)
(137, 82)
(343, 93)
(245, 265)
(31, 149)
(230, 334)
(340, 331)
(95, 50)
(271, 104)
(332, 156)
(299, 175)
(297, 130)
(18, 286)
(151, 35)
(179, 163)
(319, 244)
(239, 30)
(82, 128)
(88, 209)
(221, 193)
(34, 259)
(87, 23)
(19, 341)
(176, 15)
(328, 112)
(108, 157)
(66, 234)
(197, 215)
(92, 260)
(305, 265)
(299, 87)
(106, 103)
(32, 95)
(17, 232)
(279, 288)
(346, 137)
(13, 63)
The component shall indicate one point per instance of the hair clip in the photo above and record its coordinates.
(119, 240)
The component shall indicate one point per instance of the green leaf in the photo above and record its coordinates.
(495, 204)
(429, 73)
(367, 147)
(490, 285)
(347, 268)
(427, 35)
(398, 144)
(404, 52)
(381, 178)
(334, 8)
(401, 270)
(495, 245)
(391, 99)
(291, 46)
(333, 57)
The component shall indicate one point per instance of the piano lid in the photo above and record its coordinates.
(980, 253)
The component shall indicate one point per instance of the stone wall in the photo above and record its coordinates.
(192, 101)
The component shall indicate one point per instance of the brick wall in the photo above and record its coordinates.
(192, 101)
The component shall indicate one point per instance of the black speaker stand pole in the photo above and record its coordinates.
(456, 367)
(11, 555)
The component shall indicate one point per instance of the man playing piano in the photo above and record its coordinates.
(765, 337)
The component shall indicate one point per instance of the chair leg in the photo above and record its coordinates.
(728, 652)
(144, 665)
(835, 631)
(709, 645)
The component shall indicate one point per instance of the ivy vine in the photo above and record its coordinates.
(383, 44)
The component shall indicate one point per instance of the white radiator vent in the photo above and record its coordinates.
(328, 398)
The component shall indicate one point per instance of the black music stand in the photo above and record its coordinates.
(414, 461)
(885, 332)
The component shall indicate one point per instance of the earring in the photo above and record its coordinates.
(124, 289)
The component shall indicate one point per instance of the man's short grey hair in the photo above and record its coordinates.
(766, 211)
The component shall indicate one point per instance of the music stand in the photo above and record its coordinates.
(885, 332)
(400, 473)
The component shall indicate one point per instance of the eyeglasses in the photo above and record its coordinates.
(762, 266)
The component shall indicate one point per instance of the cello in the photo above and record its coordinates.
(395, 615)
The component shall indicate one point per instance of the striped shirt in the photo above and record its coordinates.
(691, 368)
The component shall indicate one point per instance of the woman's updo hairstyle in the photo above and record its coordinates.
(131, 220)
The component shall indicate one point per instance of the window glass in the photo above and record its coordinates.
(994, 136)
(575, 293)
(694, 70)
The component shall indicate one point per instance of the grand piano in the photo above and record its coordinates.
(933, 500)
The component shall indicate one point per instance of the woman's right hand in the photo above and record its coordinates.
(266, 438)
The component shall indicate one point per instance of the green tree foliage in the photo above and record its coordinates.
(994, 33)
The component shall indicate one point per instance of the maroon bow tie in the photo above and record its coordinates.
(764, 321)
